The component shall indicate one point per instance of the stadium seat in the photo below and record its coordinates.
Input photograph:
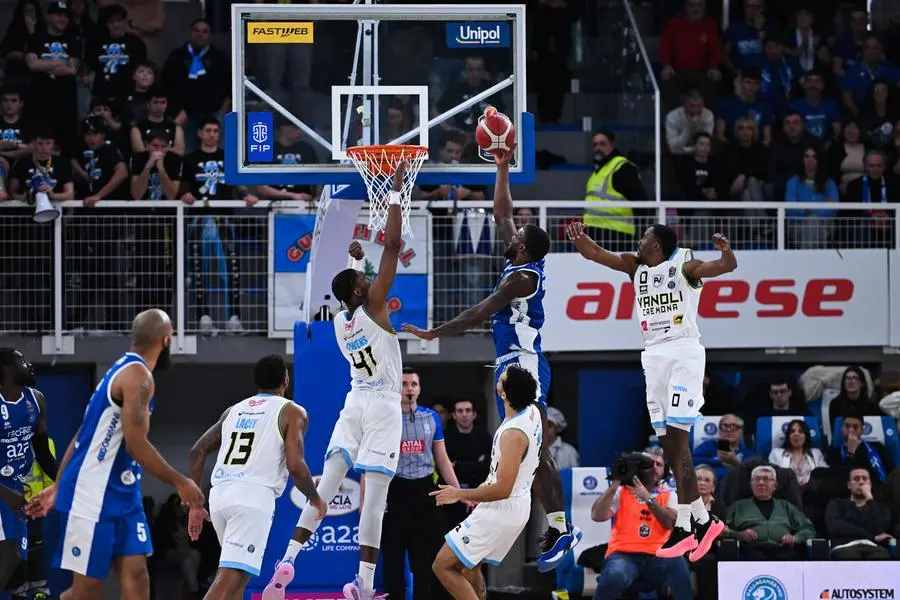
(581, 486)
(706, 429)
(875, 429)
(770, 432)
(736, 484)
(825, 416)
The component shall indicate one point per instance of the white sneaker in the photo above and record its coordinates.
(234, 324)
(206, 324)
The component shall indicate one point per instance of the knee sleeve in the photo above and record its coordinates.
(332, 475)
(373, 509)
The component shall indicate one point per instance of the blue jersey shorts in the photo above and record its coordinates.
(88, 546)
(14, 527)
(537, 365)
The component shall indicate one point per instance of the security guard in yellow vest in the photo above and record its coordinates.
(615, 179)
(30, 578)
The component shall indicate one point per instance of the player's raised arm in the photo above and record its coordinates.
(696, 269)
(208, 443)
(503, 206)
(135, 387)
(393, 243)
(588, 248)
(293, 423)
(513, 446)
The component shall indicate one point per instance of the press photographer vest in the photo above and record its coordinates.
(634, 528)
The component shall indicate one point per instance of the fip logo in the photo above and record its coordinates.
(474, 34)
(259, 137)
(765, 587)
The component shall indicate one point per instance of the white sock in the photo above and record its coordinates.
(292, 551)
(684, 517)
(367, 576)
(557, 521)
(698, 510)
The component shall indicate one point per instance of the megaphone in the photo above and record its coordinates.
(44, 211)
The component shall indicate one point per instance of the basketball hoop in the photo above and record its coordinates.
(376, 165)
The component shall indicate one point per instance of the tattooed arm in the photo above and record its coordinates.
(208, 443)
(41, 440)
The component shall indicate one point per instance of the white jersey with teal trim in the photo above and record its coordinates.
(376, 364)
(252, 450)
(528, 421)
(666, 301)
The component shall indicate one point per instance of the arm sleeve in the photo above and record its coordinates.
(791, 192)
(438, 428)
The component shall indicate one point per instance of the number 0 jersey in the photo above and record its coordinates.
(666, 301)
(528, 421)
(252, 449)
(373, 353)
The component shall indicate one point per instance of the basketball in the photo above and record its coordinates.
(495, 131)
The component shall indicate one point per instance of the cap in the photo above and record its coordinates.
(59, 7)
(94, 124)
(555, 416)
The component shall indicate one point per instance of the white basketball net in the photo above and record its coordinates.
(376, 165)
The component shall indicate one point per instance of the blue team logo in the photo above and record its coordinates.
(76, 551)
(710, 429)
(765, 587)
(113, 58)
(209, 175)
(57, 50)
(590, 482)
(259, 137)
(9, 136)
(251, 548)
(290, 158)
(867, 428)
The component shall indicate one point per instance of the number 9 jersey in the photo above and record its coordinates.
(376, 363)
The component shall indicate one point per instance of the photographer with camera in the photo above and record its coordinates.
(643, 514)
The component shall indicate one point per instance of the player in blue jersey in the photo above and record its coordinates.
(516, 311)
(24, 439)
(98, 493)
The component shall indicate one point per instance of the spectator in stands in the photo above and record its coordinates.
(769, 528)
(615, 178)
(706, 569)
(853, 451)
(858, 79)
(291, 63)
(197, 76)
(452, 145)
(746, 104)
(726, 451)
(551, 50)
(644, 515)
(440, 407)
(290, 149)
(846, 157)
(879, 185)
(101, 171)
(879, 116)
(117, 133)
(779, 72)
(157, 120)
(13, 127)
(53, 57)
(476, 79)
(44, 171)
(111, 57)
(717, 396)
(699, 176)
(858, 526)
(811, 228)
(27, 19)
(661, 474)
(156, 171)
(788, 149)
(706, 485)
(797, 452)
(689, 52)
(848, 46)
(80, 21)
(854, 397)
(564, 454)
(808, 46)
(821, 114)
(747, 170)
(685, 122)
(469, 448)
(744, 39)
(145, 84)
(782, 401)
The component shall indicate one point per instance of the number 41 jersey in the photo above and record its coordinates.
(376, 364)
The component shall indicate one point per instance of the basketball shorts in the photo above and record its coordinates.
(674, 372)
(536, 364)
(242, 516)
(368, 432)
(14, 527)
(487, 534)
(88, 546)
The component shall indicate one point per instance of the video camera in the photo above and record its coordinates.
(630, 465)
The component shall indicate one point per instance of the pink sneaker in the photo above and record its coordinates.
(708, 533)
(284, 574)
(680, 542)
(354, 591)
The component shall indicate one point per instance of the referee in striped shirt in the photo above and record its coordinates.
(413, 524)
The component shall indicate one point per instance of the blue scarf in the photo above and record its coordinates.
(867, 193)
(197, 68)
(874, 460)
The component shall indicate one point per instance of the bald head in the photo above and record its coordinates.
(150, 328)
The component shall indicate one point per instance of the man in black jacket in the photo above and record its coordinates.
(856, 452)
(469, 449)
(873, 228)
(858, 525)
(788, 149)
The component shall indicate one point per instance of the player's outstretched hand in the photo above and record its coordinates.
(196, 517)
(190, 494)
(447, 494)
(575, 230)
(356, 251)
(41, 504)
(503, 157)
(399, 172)
(720, 242)
(422, 334)
(321, 507)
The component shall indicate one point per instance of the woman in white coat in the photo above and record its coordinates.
(797, 453)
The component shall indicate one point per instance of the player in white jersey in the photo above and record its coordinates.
(367, 435)
(504, 498)
(263, 445)
(667, 282)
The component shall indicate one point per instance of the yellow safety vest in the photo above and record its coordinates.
(600, 189)
(37, 480)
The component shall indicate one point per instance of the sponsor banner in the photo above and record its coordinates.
(259, 137)
(773, 299)
(894, 278)
(588, 483)
(827, 580)
(281, 32)
(478, 35)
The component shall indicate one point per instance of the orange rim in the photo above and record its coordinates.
(382, 158)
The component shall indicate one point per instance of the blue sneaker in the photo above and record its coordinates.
(555, 546)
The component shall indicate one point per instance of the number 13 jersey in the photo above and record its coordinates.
(252, 449)
(376, 364)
